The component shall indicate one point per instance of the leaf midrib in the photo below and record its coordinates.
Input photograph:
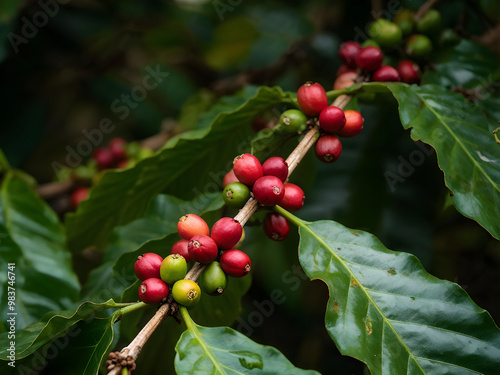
(205, 347)
(387, 321)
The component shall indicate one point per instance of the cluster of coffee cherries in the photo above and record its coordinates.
(119, 154)
(216, 248)
(267, 183)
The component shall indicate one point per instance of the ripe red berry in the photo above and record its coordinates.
(103, 157)
(345, 80)
(191, 225)
(408, 71)
(385, 73)
(181, 248)
(275, 226)
(230, 177)
(235, 263)
(312, 98)
(226, 232)
(276, 166)
(353, 124)
(147, 266)
(348, 53)
(153, 291)
(117, 148)
(344, 69)
(268, 190)
(247, 169)
(331, 119)
(370, 58)
(328, 148)
(79, 195)
(293, 200)
(203, 249)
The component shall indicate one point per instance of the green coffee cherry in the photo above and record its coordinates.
(236, 194)
(173, 268)
(418, 46)
(293, 121)
(404, 20)
(213, 280)
(370, 43)
(186, 293)
(386, 33)
(240, 242)
(430, 23)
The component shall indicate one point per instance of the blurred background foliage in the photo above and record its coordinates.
(86, 57)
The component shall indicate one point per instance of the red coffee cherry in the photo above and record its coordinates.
(153, 291)
(293, 200)
(276, 166)
(331, 119)
(275, 226)
(79, 195)
(312, 98)
(247, 169)
(268, 190)
(117, 148)
(353, 124)
(226, 232)
(370, 58)
(230, 177)
(408, 71)
(344, 69)
(235, 263)
(385, 73)
(348, 53)
(328, 148)
(203, 249)
(104, 158)
(181, 248)
(191, 225)
(148, 266)
(345, 80)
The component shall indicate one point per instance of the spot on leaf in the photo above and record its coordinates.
(391, 271)
(368, 325)
(354, 283)
(335, 306)
(249, 360)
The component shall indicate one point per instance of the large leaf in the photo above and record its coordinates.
(465, 147)
(385, 310)
(222, 350)
(192, 163)
(33, 239)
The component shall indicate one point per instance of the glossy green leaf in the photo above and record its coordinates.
(465, 146)
(33, 239)
(222, 350)
(387, 311)
(190, 164)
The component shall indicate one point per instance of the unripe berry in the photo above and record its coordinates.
(117, 148)
(331, 119)
(191, 225)
(235, 263)
(79, 195)
(408, 71)
(230, 177)
(404, 19)
(370, 58)
(328, 148)
(213, 280)
(386, 33)
(268, 190)
(386, 73)
(293, 200)
(276, 166)
(103, 157)
(418, 46)
(226, 232)
(186, 293)
(312, 98)
(353, 124)
(275, 226)
(345, 80)
(293, 121)
(348, 52)
(173, 268)
(430, 23)
(181, 248)
(147, 266)
(236, 194)
(153, 291)
(202, 249)
(247, 169)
